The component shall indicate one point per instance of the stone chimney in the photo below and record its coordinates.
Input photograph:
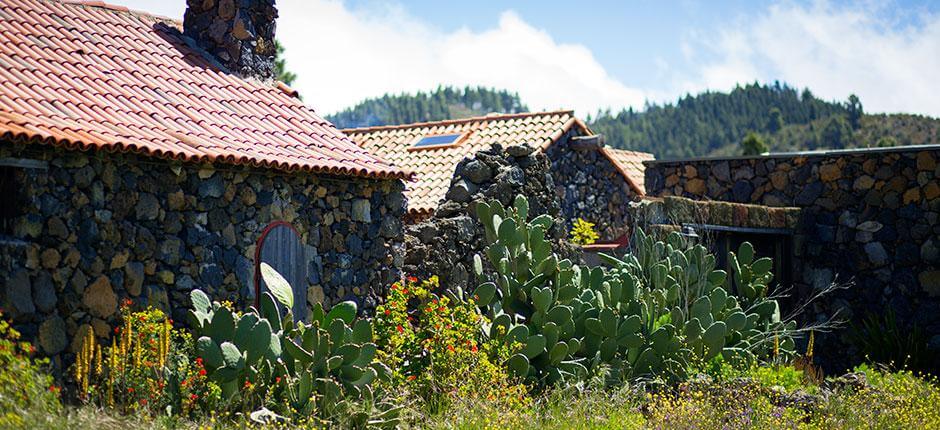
(239, 33)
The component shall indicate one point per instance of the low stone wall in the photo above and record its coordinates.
(589, 186)
(100, 228)
(444, 244)
(870, 217)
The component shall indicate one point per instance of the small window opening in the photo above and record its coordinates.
(438, 140)
(11, 198)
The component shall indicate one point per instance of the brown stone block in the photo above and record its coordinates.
(793, 217)
(720, 213)
(932, 190)
(926, 161)
(739, 217)
(830, 172)
(778, 217)
(695, 186)
(911, 196)
(758, 216)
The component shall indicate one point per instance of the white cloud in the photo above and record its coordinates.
(342, 56)
(835, 51)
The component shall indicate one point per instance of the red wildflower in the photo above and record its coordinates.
(130, 389)
(53, 389)
(117, 330)
(388, 312)
(405, 291)
(400, 329)
(202, 372)
(199, 361)
(450, 348)
(193, 396)
(143, 402)
(277, 380)
(412, 279)
(473, 348)
(247, 384)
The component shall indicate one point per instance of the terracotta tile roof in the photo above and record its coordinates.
(434, 167)
(98, 76)
(630, 164)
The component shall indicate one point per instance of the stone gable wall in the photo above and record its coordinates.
(589, 186)
(100, 228)
(445, 243)
(872, 218)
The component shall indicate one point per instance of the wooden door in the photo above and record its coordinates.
(280, 247)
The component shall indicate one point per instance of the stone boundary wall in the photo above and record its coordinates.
(445, 243)
(101, 228)
(589, 186)
(869, 217)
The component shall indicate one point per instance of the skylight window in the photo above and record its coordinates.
(437, 140)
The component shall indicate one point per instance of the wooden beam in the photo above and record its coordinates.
(24, 163)
(588, 143)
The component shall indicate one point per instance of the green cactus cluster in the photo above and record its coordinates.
(651, 313)
(322, 364)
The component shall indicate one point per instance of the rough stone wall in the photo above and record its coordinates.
(239, 33)
(589, 186)
(100, 228)
(872, 217)
(444, 244)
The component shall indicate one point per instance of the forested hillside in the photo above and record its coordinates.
(442, 103)
(781, 118)
(777, 118)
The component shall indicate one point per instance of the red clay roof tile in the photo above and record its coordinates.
(91, 75)
(434, 167)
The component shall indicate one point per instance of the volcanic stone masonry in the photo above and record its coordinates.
(869, 216)
(444, 245)
(589, 186)
(240, 33)
(101, 228)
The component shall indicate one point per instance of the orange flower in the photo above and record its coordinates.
(412, 279)
(411, 377)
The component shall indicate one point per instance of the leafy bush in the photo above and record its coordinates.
(433, 345)
(582, 232)
(148, 367)
(882, 340)
(653, 313)
(27, 393)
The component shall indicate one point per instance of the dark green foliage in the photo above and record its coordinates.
(715, 124)
(711, 122)
(280, 66)
(443, 103)
(882, 340)
(753, 144)
(837, 132)
(775, 121)
(855, 111)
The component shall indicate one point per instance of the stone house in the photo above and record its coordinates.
(592, 181)
(142, 157)
(868, 217)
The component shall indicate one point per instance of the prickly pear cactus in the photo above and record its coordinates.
(651, 313)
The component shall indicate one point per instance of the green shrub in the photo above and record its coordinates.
(149, 367)
(582, 232)
(27, 393)
(433, 346)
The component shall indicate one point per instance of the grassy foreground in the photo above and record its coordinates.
(763, 398)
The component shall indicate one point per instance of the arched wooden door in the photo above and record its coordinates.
(280, 247)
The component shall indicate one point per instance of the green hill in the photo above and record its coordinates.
(710, 123)
(442, 103)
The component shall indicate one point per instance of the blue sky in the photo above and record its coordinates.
(609, 54)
